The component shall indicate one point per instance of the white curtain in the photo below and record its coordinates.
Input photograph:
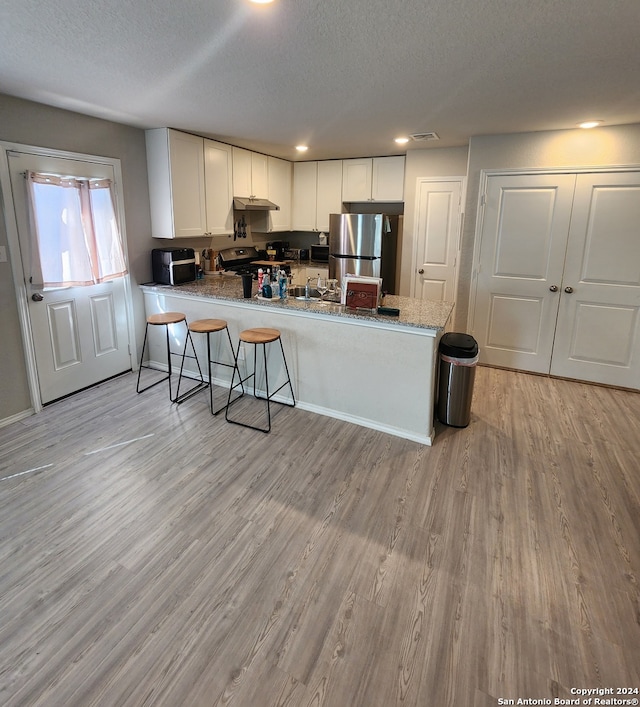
(75, 235)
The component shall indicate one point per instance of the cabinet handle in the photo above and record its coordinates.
(568, 290)
(554, 288)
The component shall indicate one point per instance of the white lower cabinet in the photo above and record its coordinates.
(300, 273)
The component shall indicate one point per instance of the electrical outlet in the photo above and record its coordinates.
(3, 254)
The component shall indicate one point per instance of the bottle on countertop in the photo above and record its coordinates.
(267, 292)
(260, 279)
(282, 284)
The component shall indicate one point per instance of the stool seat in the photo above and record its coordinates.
(259, 335)
(207, 326)
(166, 318)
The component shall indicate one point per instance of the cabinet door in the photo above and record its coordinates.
(305, 180)
(241, 172)
(388, 179)
(259, 176)
(356, 179)
(186, 159)
(218, 169)
(316, 271)
(329, 192)
(280, 193)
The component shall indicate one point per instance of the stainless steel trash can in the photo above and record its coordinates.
(458, 355)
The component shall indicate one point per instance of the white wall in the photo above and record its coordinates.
(613, 146)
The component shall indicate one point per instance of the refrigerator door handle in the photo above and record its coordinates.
(355, 257)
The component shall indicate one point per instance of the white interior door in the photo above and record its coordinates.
(80, 334)
(437, 239)
(523, 241)
(598, 330)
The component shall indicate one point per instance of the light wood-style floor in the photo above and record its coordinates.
(159, 556)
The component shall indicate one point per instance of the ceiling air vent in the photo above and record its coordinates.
(424, 137)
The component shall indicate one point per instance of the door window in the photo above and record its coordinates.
(75, 235)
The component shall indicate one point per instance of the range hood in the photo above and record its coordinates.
(246, 203)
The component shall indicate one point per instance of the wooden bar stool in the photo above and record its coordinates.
(208, 327)
(166, 319)
(257, 337)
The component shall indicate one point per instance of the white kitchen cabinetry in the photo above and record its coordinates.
(175, 167)
(218, 170)
(300, 273)
(373, 179)
(279, 172)
(190, 187)
(250, 174)
(317, 192)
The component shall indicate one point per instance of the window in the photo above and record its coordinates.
(76, 239)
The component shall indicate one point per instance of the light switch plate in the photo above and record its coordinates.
(3, 254)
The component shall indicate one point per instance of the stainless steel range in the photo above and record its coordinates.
(245, 259)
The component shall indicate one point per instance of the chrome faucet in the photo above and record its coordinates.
(306, 288)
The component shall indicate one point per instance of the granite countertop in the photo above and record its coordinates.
(413, 312)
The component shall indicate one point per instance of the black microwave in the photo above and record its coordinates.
(173, 266)
(320, 252)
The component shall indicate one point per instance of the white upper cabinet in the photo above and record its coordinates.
(329, 192)
(175, 167)
(317, 192)
(279, 173)
(250, 174)
(373, 179)
(218, 170)
(190, 186)
(305, 181)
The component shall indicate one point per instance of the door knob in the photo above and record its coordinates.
(37, 297)
(568, 290)
(554, 288)
(421, 271)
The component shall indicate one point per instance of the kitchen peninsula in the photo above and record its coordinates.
(372, 370)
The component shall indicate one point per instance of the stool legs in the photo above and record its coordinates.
(200, 385)
(169, 367)
(269, 395)
(210, 361)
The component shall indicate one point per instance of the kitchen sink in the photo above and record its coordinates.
(298, 292)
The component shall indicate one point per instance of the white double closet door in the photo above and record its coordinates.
(558, 276)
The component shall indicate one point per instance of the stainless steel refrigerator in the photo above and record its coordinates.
(365, 245)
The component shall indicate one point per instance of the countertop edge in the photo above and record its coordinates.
(423, 316)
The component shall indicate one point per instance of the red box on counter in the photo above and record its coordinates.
(362, 295)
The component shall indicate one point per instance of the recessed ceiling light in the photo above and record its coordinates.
(301, 148)
(590, 124)
(261, 2)
(402, 140)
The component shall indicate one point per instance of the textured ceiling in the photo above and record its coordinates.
(344, 76)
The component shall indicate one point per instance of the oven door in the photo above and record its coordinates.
(182, 271)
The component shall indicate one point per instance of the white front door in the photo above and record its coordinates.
(598, 331)
(80, 334)
(558, 281)
(437, 239)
